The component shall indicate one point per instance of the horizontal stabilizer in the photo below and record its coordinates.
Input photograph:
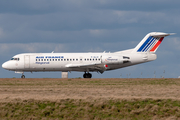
(159, 34)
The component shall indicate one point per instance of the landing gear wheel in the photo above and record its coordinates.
(84, 76)
(23, 76)
(87, 75)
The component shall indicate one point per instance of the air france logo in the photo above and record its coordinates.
(49, 56)
(42, 63)
(110, 59)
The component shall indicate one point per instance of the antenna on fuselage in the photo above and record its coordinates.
(52, 52)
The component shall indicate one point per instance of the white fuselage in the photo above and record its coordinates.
(86, 62)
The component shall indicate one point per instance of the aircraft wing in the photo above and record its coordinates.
(92, 67)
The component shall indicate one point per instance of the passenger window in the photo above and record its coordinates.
(44, 59)
(55, 59)
(61, 59)
(58, 59)
(64, 59)
(67, 59)
(47, 59)
(73, 59)
(41, 59)
(36, 59)
(70, 59)
(76, 59)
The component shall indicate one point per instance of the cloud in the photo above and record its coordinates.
(97, 32)
(174, 43)
(37, 7)
(70, 24)
(138, 5)
(27, 7)
(17, 48)
(1, 33)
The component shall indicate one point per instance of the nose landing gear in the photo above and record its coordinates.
(87, 75)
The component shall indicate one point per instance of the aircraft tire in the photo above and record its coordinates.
(84, 76)
(87, 75)
(23, 76)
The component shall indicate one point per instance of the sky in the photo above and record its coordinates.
(62, 26)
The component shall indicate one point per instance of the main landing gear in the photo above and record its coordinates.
(23, 76)
(87, 75)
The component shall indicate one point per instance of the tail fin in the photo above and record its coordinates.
(151, 42)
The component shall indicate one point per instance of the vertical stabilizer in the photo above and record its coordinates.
(151, 42)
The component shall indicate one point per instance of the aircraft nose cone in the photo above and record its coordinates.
(4, 65)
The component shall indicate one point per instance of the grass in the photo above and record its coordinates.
(89, 98)
(102, 82)
(97, 109)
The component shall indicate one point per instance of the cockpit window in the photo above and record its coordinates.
(17, 59)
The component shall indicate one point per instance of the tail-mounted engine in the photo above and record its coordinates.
(115, 59)
(112, 59)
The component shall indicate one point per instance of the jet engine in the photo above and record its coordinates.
(112, 59)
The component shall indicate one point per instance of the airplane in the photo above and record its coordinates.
(87, 62)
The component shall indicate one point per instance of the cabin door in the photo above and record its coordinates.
(26, 61)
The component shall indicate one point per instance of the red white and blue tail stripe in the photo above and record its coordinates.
(151, 42)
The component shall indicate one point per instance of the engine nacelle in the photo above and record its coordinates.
(112, 59)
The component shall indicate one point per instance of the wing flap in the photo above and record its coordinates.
(82, 65)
